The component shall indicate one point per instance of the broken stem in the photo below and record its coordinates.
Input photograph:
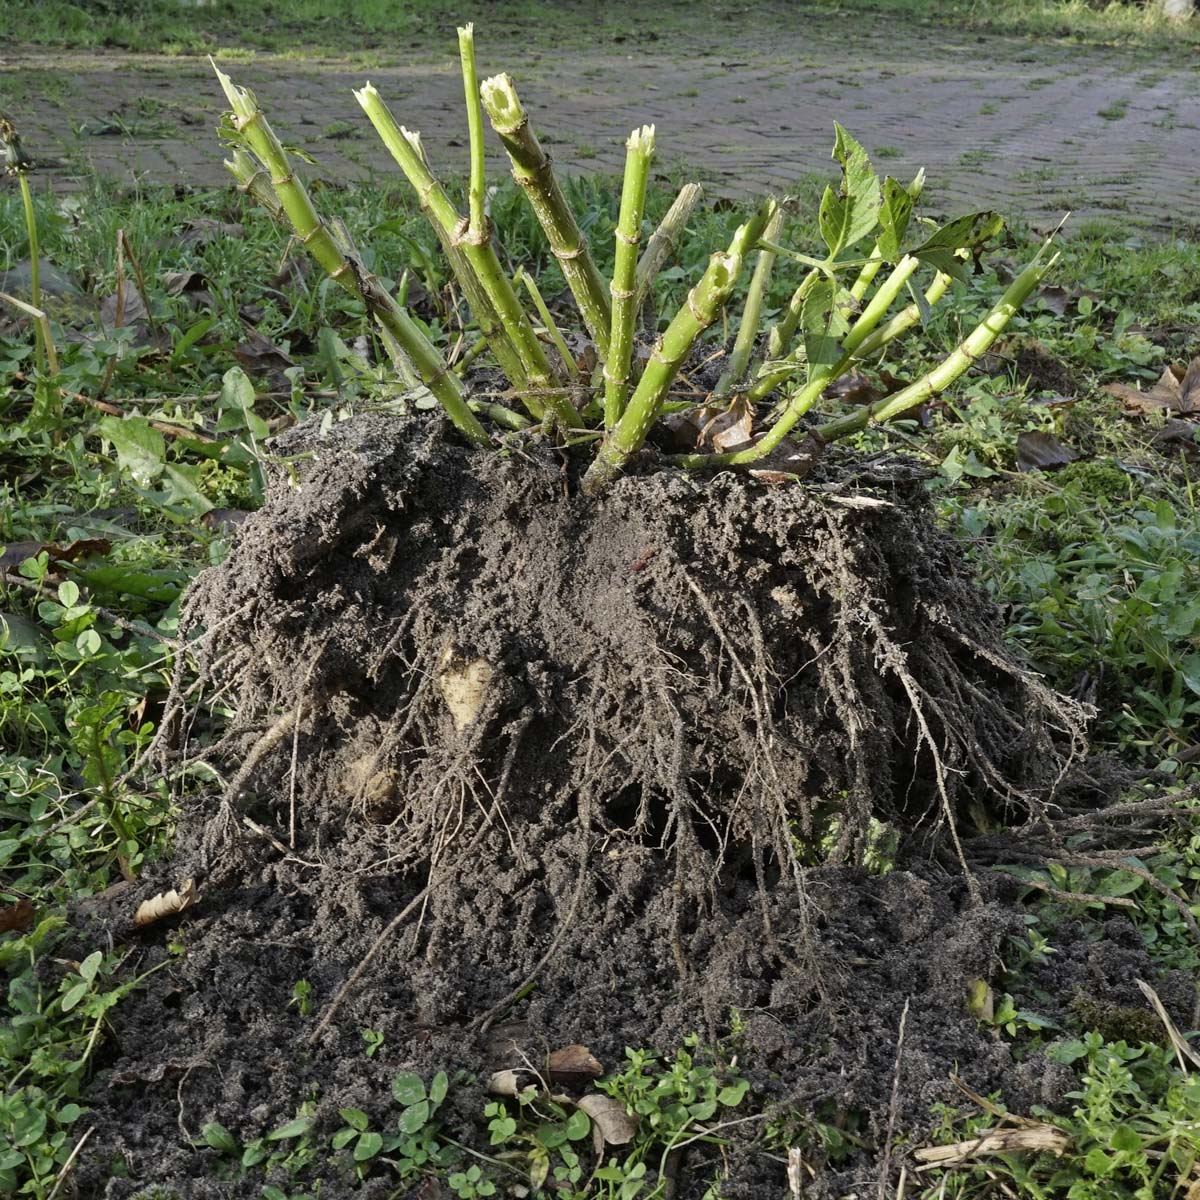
(639, 149)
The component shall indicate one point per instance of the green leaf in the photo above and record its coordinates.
(140, 448)
(968, 233)
(414, 1117)
(90, 965)
(550, 1135)
(733, 1094)
(369, 1144)
(1126, 1139)
(894, 214)
(73, 996)
(354, 1117)
(68, 593)
(293, 1129)
(439, 1087)
(823, 325)
(219, 1138)
(579, 1125)
(237, 400)
(408, 1088)
(848, 215)
(344, 1137)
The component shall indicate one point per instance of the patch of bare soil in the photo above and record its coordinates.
(602, 771)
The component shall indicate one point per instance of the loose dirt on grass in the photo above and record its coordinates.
(508, 770)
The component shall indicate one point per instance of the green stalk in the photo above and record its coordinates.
(743, 345)
(904, 320)
(252, 128)
(405, 148)
(783, 332)
(477, 228)
(527, 281)
(35, 283)
(699, 310)
(532, 170)
(639, 150)
(444, 218)
(859, 331)
(661, 243)
(972, 348)
(871, 267)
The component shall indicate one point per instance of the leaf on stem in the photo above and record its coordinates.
(849, 214)
(894, 216)
(971, 232)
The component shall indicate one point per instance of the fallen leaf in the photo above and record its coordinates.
(1178, 390)
(510, 1082)
(16, 918)
(611, 1124)
(573, 1066)
(225, 519)
(18, 633)
(1042, 452)
(166, 904)
(852, 388)
(15, 553)
(201, 230)
(260, 356)
(133, 313)
(1180, 434)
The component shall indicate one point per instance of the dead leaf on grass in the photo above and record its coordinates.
(510, 1082)
(15, 553)
(166, 904)
(573, 1065)
(123, 312)
(1178, 434)
(16, 918)
(1178, 391)
(853, 388)
(200, 231)
(611, 1124)
(1042, 452)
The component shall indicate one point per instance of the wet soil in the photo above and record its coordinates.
(605, 772)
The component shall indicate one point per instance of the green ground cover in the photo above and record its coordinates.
(377, 27)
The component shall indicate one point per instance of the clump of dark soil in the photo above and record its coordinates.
(609, 769)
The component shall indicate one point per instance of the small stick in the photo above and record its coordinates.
(66, 1167)
(661, 243)
(894, 1104)
(122, 622)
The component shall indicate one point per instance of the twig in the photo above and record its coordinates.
(1070, 897)
(893, 1105)
(66, 1167)
(164, 427)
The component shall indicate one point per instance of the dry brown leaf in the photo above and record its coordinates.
(201, 230)
(854, 388)
(1036, 1139)
(16, 553)
(1038, 451)
(16, 918)
(509, 1082)
(1177, 391)
(573, 1065)
(166, 904)
(611, 1124)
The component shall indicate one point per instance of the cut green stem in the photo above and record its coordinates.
(532, 170)
(699, 310)
(972, 348)
(743, 346)
(663, 241)
(250, 126)
(477, 190)
(560, 343)
(639, 150)
(405, 148)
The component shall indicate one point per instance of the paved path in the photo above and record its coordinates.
(1033, 128)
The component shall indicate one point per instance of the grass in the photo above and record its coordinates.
(382, 31)
(1095, 565)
